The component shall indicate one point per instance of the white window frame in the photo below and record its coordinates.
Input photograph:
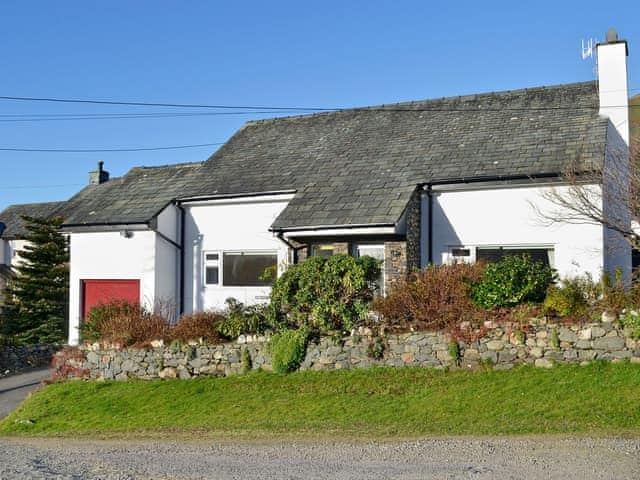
(211, 263)
(219, 263)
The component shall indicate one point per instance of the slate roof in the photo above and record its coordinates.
(133, 198)
(360, 166)
(14, 224)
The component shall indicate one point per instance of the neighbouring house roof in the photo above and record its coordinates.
(133, 198)
(360, 166)
(12, 216)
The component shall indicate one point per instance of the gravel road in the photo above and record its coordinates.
(483, 458)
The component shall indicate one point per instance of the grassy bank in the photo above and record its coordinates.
(598, 399)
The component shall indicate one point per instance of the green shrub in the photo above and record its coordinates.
(376, 348)
(240, 318)
(324, 293)
(615, 297)
(454, 352)
(573, 297)
(631, 319)
(247, 363)
(125, 323)
(437, 298)
(514, 280)
(288, 349)
(555, 339)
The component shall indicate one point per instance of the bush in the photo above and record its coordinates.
(124, 323)
(288, 350)
(615, 297)
(573, 297)
(631, 319)
(436, 298)
(198, 325)
(324, 293)
(239, 319)
(514, 280)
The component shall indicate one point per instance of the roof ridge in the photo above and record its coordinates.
(171, 165)
(14, 205)
(424, 102)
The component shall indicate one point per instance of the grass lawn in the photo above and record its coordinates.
(599, 399)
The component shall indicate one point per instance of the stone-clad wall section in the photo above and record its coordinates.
(16, 358)
(542, 346)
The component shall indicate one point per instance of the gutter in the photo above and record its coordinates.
(331, 227)
(182, 254)
(230, 196)
(490, 178)
(430, 225)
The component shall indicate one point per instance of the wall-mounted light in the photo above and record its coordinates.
(126, 233)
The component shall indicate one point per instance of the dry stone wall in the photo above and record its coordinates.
(16, 358)
(501, 348)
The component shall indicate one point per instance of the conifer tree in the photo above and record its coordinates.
(37, 298)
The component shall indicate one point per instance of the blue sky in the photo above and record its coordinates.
(278, 53)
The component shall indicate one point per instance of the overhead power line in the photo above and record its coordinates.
(17, 187)
(103, 150)
(163, 104)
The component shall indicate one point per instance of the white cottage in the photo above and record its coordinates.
(411, 184)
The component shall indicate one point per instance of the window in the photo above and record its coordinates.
(247, 269)
(211, 268)
(495, 254)
(324, 250)
(240, 269)
(376, 251)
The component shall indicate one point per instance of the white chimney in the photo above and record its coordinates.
(613, 87)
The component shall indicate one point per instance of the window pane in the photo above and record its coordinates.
(212, 275)
(245, 270)
(211, 256)
(492, 255)
(324, 251)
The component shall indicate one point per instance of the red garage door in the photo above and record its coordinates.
(103, 291)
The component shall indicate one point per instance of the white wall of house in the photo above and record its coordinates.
(168, 222)
(106, 256)
(615, 208)
(167, 286)
(230, 225)
(9, 251)
(505, 217)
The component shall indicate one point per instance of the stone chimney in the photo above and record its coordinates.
(98, 176)
(613, 88)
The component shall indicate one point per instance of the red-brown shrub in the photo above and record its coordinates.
(198, 325)
(436, 298)
(125, 324)
(66, 364)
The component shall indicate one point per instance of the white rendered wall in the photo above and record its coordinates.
(108, 255)
(167, 285)
(615, 208)
(505, 217)
(613, 86)
(11, 248)
(168, 223)
(5, 256)
(232, 225)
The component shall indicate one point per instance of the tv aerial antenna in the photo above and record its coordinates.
(588, 48)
